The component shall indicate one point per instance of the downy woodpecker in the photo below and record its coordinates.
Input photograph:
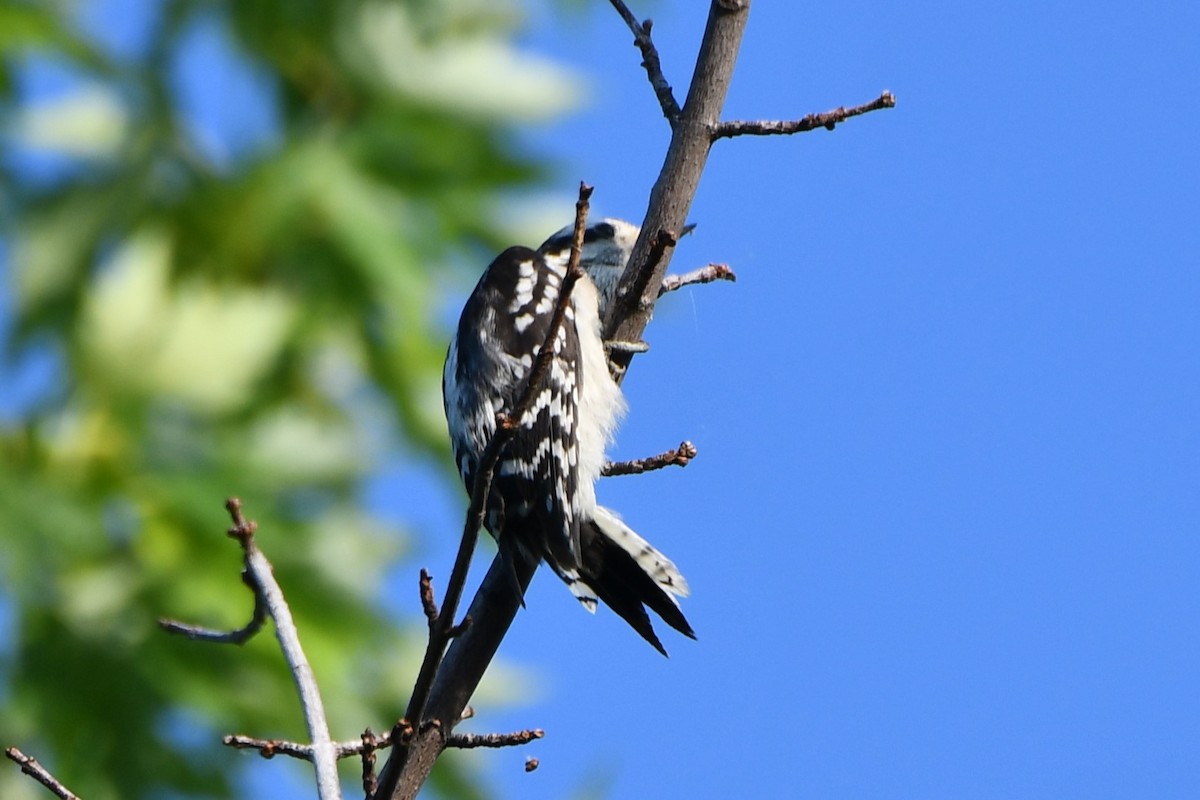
(542, 505)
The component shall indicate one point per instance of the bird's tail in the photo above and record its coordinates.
(629, 575)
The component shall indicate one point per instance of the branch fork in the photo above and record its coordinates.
(269, 600)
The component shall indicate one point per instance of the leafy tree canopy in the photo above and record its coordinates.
(225, 231)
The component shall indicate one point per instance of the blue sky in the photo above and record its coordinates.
(941, 534)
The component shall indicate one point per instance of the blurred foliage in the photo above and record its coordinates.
(250, 312)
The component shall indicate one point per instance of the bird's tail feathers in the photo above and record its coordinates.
(629, 574)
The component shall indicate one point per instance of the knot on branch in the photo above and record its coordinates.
(243, 529)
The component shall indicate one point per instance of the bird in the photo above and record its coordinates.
(607, 245)
(542, 505)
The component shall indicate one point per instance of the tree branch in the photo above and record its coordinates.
(650, 60)
(238, 636)
(31, 767)
(269, 748)
(428, 603)
(468, 741)
(828, 120)
(706, 274)
(494, 608)
(370, 743)
(679, 457)
(324, 756)
(679, 177)
(269, 601)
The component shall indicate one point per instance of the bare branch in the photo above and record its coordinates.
(706, 274)
(679, 457)
(662, 241)
(324, 755)
(494, 607)
(269, 748)
(469, 741)
(201, 634)
(828, 120)
(679, 177)
(428, 603)
(370, 743)
(650, 60)
(545, 356)
(259, 575)
(31, 767)
(461, 628)
(531, 764)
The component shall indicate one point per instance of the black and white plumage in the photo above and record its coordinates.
(607, 245)
(542, 505)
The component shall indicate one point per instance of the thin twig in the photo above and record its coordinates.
(545, 356)
(258, 574)
(706, 274)
(650, 60)
(461, 628)
(468, 741)
(828, 121)
(662, 241)
(324, 754)
(31, 767)
(269, 748)
(428, 603)
(679, 457)
(677, 181)
(401, 732)
(443, 629)
(238, 636)
(370, 744)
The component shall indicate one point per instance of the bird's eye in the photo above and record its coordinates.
(600, 232)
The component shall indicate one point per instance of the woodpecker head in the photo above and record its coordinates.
(607, 245)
